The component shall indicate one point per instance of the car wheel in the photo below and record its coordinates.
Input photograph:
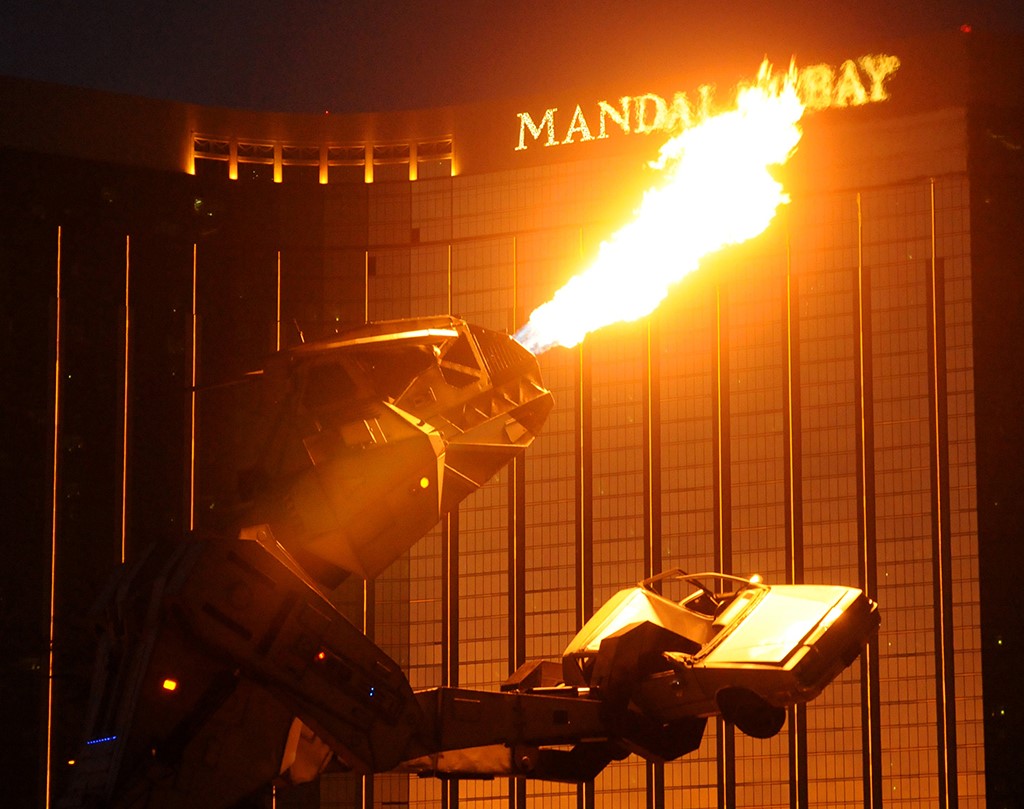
(750, 713)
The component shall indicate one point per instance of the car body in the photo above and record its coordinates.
(736, 647)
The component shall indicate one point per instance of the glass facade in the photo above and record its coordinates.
(793, 381)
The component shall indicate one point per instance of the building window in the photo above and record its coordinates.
(211, 148)
(391, 162)
(206, 168)
(255, 172)
(390, 172)
(300, 164)
(210, 156)
(256, 162)
(346, 173)
(346, 164)
(434, 159)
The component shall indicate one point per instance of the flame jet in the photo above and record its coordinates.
(715, 189)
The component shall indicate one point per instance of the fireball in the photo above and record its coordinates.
(715, 189)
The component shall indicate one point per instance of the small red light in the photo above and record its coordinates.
(965, 28)
(321, 655)
(170, 685)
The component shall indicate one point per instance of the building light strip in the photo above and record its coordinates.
(278, 341)
(53, 533)
(124, 424)
(101, 740)
(192, 414)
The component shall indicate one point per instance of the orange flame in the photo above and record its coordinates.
(716, 190)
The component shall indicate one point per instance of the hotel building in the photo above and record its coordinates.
(838, 400)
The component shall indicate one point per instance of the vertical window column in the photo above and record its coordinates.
(450, 627)
(652, 505)
(798, 794)
(871, 715)
(584, 517)
(516, 545)
(945, 690)
(724, 739)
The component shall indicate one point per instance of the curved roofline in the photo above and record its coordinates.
(937, 71)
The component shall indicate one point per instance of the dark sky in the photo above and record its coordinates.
(312, 55)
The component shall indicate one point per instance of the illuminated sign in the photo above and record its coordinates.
(853, 83)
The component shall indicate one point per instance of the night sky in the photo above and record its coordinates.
(312, 56)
